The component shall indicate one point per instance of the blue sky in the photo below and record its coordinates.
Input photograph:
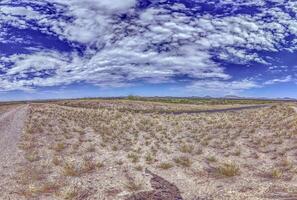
(74, 48)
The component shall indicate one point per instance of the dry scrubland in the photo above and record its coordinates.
(102, 153)
(146, 107)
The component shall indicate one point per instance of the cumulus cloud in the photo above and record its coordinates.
(125, 45)
(279, 80)
(218, 87)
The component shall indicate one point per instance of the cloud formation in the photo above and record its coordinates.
(120, 43)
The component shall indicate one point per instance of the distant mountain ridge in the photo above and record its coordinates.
(233, 97)
(264, 98)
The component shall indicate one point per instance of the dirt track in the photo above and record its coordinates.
(11, 124)
(220, 110)
(179, 112)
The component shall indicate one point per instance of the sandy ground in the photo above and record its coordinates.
(103, 153)
(78, 153)
(11, 124)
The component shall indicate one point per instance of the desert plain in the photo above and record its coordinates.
(123, 149)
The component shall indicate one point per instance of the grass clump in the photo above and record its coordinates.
(59, 147)
(185, 148)
(149, 158)
(68, 193)
(211, 159)
(56, 160)
(134, 157)
(229, 169)
(138, 168)
(133, 185)
(165, 165)
(32, 156)
(183, 161)
(69, 169)
(276, 173)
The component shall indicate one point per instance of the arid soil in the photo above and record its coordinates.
(103, 153)
(149, 107)
(11, 125)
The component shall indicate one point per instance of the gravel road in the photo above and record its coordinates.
(220, 110)
(11, 125)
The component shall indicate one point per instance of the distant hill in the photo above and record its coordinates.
(233, 97)
(287, 99)
(208, 97)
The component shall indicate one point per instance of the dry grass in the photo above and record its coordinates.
(276, 173)
(32, 156)
(165, 165)
(133, 185)
(70, 169)
(68, 193)
(183, 161)
(59, 147)
(83, 148)
(228, 169)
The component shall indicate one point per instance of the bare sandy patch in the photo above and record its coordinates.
(11, 125)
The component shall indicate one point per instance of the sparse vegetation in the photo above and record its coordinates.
(133, 185)
(276, 173)
(69, 149)
(228, 169)
(211, 159)
(69, 169)
(183, 161)
(165, 165)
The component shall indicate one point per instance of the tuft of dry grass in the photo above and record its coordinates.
(32, 156)
(276, 173)
(185, 148)
(183, 161)
(68, 192)
(149, 158)
(59, 147)
(133, 157)
(57, 160)
(138, 167)
(70, 169)
(165, 165)
(229, 169)
(133, 185)
(211, 159)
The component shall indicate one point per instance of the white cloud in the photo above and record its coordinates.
(155, 45)
(277, 80)
(217, 87)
